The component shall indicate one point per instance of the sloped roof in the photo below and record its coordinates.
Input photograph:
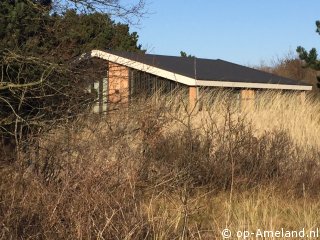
(200, 71)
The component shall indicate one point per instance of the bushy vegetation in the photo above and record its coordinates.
(159, 170)
(41, 82)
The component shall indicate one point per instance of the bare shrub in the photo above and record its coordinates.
(149, 170)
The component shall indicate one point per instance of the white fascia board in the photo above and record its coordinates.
(252, 85)
(144, 67)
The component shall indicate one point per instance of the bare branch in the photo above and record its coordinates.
(131, 13)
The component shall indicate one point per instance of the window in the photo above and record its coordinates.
(100, 91)
(145, 84)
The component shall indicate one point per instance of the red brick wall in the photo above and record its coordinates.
(118, 83)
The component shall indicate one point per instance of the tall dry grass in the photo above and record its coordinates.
(159, 170)
(275, 111)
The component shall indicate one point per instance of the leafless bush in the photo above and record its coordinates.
(231, 153)
(105, 177)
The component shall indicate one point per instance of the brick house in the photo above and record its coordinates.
(131, 74)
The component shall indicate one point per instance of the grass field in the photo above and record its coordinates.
(160, 170)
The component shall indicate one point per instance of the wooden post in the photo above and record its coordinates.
(193, 97)
(303, 96)
(247, 99)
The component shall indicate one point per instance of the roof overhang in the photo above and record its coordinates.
(252, 85)
(187, 80)
(143, 67)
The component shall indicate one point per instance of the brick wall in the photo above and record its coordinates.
(118, 83)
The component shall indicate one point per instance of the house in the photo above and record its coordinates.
(130, 74)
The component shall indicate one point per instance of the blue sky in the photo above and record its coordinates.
(241, 31)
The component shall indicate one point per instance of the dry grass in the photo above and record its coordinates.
(164, 171)
(273, 111)
(208, 214)
(285, 112)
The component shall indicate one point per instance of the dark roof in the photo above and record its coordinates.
(207, 69)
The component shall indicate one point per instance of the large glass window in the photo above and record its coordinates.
(145, 84)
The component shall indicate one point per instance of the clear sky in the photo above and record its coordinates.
(241, 31)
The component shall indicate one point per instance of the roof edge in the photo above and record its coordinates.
(269, 73)
(184, 79)
(252, 85)
(144, 67)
